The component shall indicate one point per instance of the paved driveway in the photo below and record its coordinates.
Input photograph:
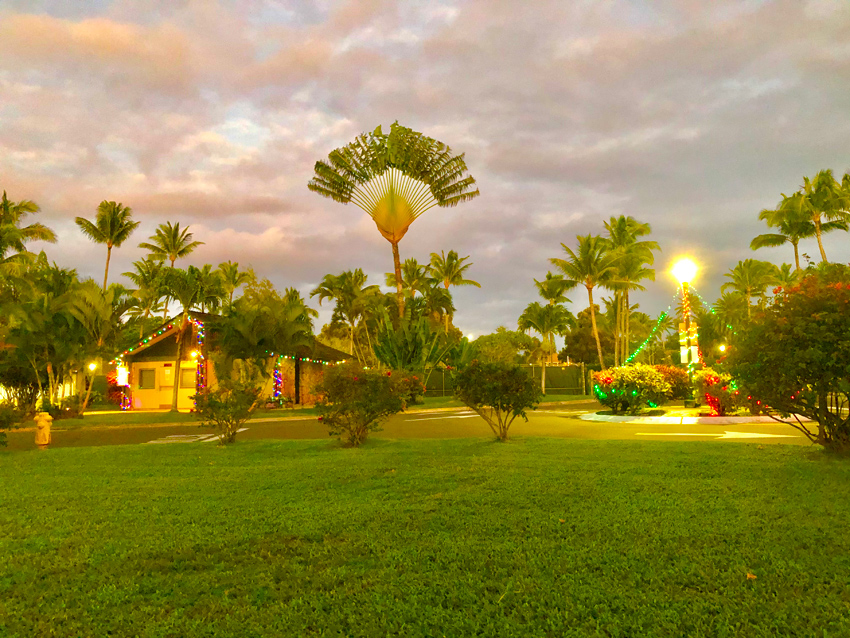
(553, 421)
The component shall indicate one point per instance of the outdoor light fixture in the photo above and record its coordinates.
(684, 270)
(722, 347)
(92, 366)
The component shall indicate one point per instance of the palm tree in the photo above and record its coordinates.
(548, 320)
(112, 226)
(553, 287)
(348, 290)
(394, 178)
(792, 226)
(232, 278)
(186, 288)
(750, 278)
(786, 277)
(169, 242)
(592, 265)
(148, 279)
(14, 237)
(623, 234)
(414, 277)
(731, 309)
(449, 270)
(820, 200)
(212, 288)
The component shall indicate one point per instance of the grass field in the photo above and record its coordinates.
(537, 537)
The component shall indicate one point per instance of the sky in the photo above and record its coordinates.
(690, 115)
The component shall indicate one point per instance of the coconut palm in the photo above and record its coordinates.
(14, 237)
(592, 265)
(349, 291)
(394, 178)
(820, 200)
(751, 278)
(553, 287)
(449, 270)
(232, 278)
(787, 278)
(414, 277)
(547, 320)
(170, 242)
(792, 226)
(147, 277)
(112, 226)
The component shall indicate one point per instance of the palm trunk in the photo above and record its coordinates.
(106, 273)
(626, 339)
(796, 255)
(593, 324)
(175, 392)
(820, 243)
(351, 340)
(543, 378)
(88, 396)
(399, 292)
(617, 315)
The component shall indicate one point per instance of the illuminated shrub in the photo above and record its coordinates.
(630, 389)
(678, 380)
(719, 390)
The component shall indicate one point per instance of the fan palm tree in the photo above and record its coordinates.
(394, 178)
(591, 266)
(112, 226)
(232, 278)
(449, 270)
(751, 278)
(547, 320)
(553, 287)
(820, 200)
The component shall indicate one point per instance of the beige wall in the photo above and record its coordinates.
(160, 396)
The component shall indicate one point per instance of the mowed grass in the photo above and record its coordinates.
(536, 537)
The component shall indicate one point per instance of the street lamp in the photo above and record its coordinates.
(684, 270)
(92, 366)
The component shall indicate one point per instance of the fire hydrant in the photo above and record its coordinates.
(42, 429)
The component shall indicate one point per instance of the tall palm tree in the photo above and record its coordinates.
(232, 278)
(348, 290)
(112, 226)
(591, 266)
(14, 237)
(751, 278)
(624, 233)
(212, 288)
(394, 178)
(186, 288)
(820, 200)
(553, 287)
(414, 277)
(792, 226)
(170, 242)
(449, 270)
(548, 320)
(147, 276)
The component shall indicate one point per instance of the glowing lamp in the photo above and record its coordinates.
(194, 354)
(684, 270)
(92, 366)
(722, 347)
(122, 376)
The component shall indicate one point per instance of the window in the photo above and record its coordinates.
(147, 379)
(187, 378)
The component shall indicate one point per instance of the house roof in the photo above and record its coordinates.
(316, 351)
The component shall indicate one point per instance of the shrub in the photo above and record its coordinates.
(630, 388)
(411, 386)
(721, 393)
(354, 401)
(10, 417)
(795, 355)
(227, 407)
(680, 385)
(498, 392)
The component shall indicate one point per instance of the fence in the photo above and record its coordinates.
(560, 379)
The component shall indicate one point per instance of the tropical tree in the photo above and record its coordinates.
(394, 178)
(449, 270)
(414, 277)
(548, 321)
(232, 278)
(112, 226)
(171, 243)
(820, 200)
(592, 265)
(14, 237)
(792, 226)
(212, 289)
(350, 292)
(751, 278)
(553, 287)
(147, 276)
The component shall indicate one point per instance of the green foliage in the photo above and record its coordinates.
(680, 385)
(10, 417)
(630, 389)
(226, 407)
(498, 392)
(505, 346)
(719, 390)
(410, 346)
(795, 356)
(354, 401)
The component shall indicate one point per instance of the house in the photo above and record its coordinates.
(151, 370)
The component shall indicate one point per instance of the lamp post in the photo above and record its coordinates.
(684, 271)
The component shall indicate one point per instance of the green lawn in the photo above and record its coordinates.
(537, 537)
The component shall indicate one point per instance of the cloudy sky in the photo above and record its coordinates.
(687, 114)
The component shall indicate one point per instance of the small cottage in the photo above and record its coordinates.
(152, 372)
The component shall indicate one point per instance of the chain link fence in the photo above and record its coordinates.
(560, 379)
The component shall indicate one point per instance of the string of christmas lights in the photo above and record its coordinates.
(648, 340)
(201, 368)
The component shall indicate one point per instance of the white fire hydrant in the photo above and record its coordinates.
(42, 429)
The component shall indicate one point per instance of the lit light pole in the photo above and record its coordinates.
(684, 271)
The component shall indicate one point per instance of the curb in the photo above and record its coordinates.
(683, 420)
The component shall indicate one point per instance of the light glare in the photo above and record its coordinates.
(684, 270)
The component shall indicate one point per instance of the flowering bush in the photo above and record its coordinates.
(354, 400)
(720, 391)
(630, 388)
(678, 380)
